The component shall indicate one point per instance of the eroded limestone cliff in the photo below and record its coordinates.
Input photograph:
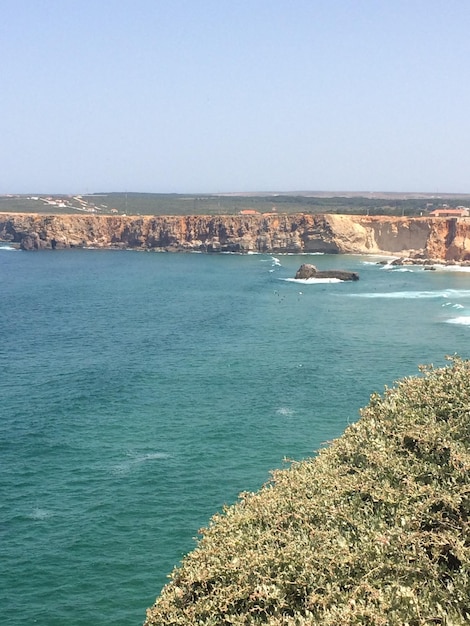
(434, 238)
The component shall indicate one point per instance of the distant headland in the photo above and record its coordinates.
(421, 226)
(434, 238)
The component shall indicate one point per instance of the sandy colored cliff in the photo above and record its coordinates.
(434, 238)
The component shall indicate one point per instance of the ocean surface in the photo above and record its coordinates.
(140, 392)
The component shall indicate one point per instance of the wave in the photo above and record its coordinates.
(463, 320)
(312, 281)
(284, 410)
(233, 252)
(420, 266)
(452, 268)
(7, 247)
(446, 293)
(39, 514)
(402, 268)
(151, 456)
(126, 466)
(301, 253)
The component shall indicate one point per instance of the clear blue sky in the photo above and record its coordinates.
(234, 95)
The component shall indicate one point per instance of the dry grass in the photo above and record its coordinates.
(374, 530)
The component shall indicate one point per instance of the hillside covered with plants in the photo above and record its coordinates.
(229, 204)
(374, 530)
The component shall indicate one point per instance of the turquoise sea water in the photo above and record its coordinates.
(141, 392)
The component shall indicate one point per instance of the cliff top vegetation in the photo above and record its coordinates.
(227, 204)
(373, 530)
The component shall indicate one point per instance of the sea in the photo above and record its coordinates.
(142, 392)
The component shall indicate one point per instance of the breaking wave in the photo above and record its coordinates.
(463, 320)
(445, 293)
(312, 281)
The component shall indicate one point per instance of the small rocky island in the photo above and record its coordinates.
(306, 270)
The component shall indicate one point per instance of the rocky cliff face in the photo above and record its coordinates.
(436, 238)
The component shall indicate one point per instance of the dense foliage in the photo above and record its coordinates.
(374, 530)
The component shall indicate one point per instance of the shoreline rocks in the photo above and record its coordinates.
(427, 263)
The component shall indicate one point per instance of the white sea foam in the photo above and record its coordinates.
(284, 410)
(448, 293)
(452, 268)
(7, 247)
(455, 293)
(151, 456)
(126, 466)
(233, 252)
(420, 267)
(463, 320)
(396, 269)
(312, 281)
(39, 514)
(275, 261)
(403, 295)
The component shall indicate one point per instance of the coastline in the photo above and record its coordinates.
(418, 239)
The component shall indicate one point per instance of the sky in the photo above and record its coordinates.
(215, 96)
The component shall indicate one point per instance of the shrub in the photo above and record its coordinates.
(374, 530)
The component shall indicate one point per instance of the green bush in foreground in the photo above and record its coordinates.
(374, 530)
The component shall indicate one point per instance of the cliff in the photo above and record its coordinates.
(423, 237)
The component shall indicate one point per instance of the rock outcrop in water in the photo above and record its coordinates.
(422, 237)
(306, 271)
